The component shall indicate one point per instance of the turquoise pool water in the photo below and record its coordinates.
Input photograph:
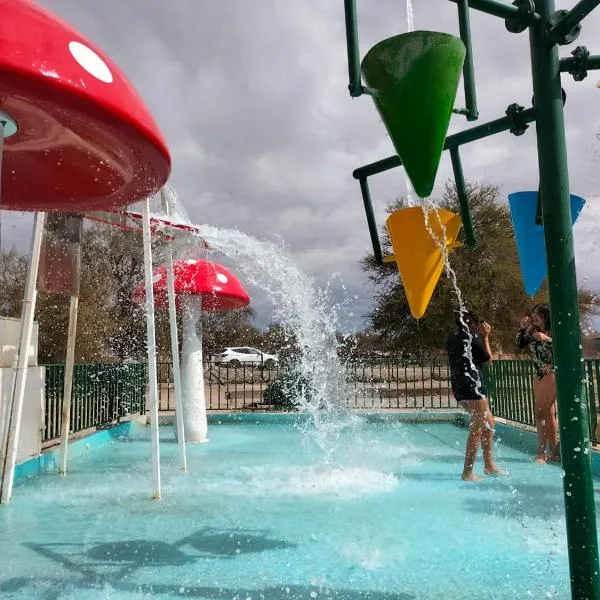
(265, 514)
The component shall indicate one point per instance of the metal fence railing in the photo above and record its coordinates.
(373, 385)
(102, 393)
(510, 386)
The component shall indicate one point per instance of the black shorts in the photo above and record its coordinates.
(469, 393)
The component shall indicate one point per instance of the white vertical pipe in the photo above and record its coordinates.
(175, 348)
(176, 367)
(18, 392)
(151, 346)
(68, 384)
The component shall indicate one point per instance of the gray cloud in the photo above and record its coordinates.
(252, 98)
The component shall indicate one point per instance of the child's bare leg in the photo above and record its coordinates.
(551, 420)
(487, 444)
(553, 433)
(542, 437)
(476, 409)
(540, 423)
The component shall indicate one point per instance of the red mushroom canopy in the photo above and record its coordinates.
(219, 289)
(84, 139)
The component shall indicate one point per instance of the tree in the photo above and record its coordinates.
(488, 277)
(110, 326)
(13, 269)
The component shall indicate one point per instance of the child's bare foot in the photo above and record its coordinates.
(470, 477)
(494, 470)
(540, 460)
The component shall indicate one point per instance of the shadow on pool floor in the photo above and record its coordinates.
(57, 587)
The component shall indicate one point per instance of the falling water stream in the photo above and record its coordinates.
(410, 26)
(306, 313)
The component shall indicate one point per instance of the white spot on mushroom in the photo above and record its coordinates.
(191, 261)
(157, 278)
(90, 61)
(222, 277)
(217, 288)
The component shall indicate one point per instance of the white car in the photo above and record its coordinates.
(235, 357)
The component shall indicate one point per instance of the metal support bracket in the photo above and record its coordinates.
(568, 37)
(517, 125)
(518, 24)
(579, 66)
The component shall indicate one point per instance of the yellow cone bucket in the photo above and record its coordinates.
(418, 256)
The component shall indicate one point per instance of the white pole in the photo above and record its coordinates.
(68, 385)
(176, 369)
(151, 346)
(175, 350)
(194, 403)
(16, 407)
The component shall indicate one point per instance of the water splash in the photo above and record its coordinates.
(410, 16)
(440, 242)
(305, 311)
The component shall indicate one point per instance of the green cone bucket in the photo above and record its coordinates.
(415, 77)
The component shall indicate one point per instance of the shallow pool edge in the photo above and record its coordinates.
(47, 461)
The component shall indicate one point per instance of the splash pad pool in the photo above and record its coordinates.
(267, 513)
(373, 516)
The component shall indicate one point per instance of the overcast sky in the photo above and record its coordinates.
(252, 99)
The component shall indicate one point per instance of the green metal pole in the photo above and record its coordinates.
(463, 198)
(355, 86)
(458, 139)
(592, 63)
(572, 18)
(572, 406)
(366, 194)
(464, 26)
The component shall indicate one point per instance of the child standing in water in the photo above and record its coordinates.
(467, 353)
(535, 331)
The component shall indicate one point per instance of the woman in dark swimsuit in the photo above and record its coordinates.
(535, 332)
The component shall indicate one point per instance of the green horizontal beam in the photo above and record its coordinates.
(592, 63)
(502, 10)
(453, 141)
(570, 20)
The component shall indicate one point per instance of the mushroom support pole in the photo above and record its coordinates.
(16, 407)
(68, 384)
(194, 404)
(151, 347)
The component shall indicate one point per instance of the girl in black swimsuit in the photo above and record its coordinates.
(535, 332)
